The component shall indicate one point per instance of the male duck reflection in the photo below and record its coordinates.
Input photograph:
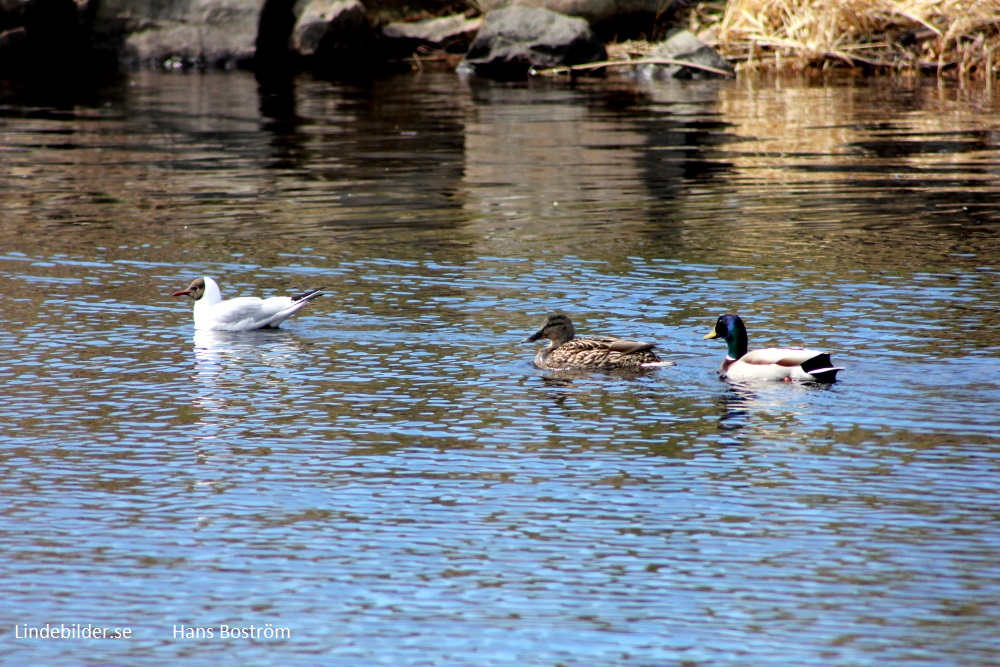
(567, 352)
(774, 363)
(243, 313)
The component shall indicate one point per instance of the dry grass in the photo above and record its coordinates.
(942, 36)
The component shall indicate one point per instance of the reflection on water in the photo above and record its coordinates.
(229, 366)
(387, 474)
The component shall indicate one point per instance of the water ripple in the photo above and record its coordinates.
(388, 476)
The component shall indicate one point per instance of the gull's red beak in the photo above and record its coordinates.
(183, 292)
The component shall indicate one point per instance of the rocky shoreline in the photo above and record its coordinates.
(494, 38)
(337, 37)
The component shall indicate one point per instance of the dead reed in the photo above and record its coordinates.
(960, 37)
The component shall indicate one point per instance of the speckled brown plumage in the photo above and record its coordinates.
(565, 351)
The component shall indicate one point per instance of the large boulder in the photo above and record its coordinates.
(450, 34)
(610, 19)
(329, 31)
(225, 33)
(178, 34)
(684, 47)
(511, 41)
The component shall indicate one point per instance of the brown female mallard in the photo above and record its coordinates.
(565, 351)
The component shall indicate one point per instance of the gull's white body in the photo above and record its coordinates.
(244, 313)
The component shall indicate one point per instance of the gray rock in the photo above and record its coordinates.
(200, 32)
(625, 18)
(511, 41)
(453, 34)
(686, 47)
(325, 28)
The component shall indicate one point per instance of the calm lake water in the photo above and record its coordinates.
(389, 479)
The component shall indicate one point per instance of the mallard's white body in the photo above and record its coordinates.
(789, 364)
(773, 363)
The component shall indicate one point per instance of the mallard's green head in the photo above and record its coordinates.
(557, 328)
(731, 328)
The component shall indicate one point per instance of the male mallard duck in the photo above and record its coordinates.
(565, 351)
(773, 363)
(243, 313)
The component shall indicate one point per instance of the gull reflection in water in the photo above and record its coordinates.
(232, 368)
(237, 377)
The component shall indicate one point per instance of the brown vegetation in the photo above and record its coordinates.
(943, 37)
(939, 36)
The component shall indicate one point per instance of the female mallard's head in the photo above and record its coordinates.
(730, 328)
(557, 328)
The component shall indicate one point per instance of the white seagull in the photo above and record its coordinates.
(243, 313)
